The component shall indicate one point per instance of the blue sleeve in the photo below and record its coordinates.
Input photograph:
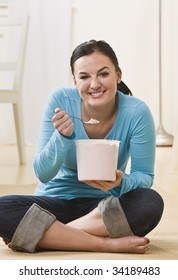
(142, 152)
(52, 146)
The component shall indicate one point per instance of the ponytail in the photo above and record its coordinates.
(123, 88)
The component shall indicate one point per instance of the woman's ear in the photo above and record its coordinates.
(74, 81)
(119, 75)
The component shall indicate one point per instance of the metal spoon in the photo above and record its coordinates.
(91, 121)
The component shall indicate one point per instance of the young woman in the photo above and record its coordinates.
(103, 216)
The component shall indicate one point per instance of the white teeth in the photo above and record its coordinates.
(96, 94)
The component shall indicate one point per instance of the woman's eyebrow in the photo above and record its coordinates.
(85, 73)
(105, 67)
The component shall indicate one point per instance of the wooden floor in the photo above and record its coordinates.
(20, 179)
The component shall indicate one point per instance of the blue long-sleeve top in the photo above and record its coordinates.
(55, 159)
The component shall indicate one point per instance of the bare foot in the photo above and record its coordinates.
(128, 244)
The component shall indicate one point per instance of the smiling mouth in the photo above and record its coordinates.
(97, 94)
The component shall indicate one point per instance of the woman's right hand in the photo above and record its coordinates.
(63, 123)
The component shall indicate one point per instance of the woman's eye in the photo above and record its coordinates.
(83, 77)
(104, 74)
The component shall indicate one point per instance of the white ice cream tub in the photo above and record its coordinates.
(97, 159)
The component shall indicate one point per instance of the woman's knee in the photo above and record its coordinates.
(143, 209)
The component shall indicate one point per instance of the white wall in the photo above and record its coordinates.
(131, 28)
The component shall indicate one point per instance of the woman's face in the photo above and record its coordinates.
(96, 78)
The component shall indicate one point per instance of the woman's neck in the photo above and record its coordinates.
(103, 113)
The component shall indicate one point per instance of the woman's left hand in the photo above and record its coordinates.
(106, 185)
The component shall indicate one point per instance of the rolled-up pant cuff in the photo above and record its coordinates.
(114, 217)
(31, 229)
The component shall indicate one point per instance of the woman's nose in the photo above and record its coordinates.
(95, 83)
